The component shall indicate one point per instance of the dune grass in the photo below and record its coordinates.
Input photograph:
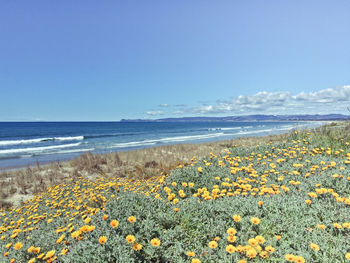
(283, 198)
(20, 185)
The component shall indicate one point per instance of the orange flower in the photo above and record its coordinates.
(230, 249)
(114, 223)
(213, 244)
(255, 220)
(155, 242)
(18, 245)
(104, 217)
(190, 253)
(130, 239)
(231, 231)
(49, 254)
(132, 219)
(236, 218)
(136, 246)
(102, 240)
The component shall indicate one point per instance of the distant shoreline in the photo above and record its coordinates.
(68, 157)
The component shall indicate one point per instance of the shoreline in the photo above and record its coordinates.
(22, 183)
(43, 160)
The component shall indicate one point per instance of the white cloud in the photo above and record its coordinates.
(331, 100)
(163, 105)
(154, 113)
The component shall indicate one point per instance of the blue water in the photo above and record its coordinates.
(26, 143)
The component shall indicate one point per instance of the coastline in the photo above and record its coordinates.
(21, 183)
(16, 157)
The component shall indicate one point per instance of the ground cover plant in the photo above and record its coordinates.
(281, 201)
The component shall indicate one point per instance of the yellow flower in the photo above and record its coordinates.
(41, 256)
(114, 223)
(136, 246)
(314, 247)
(49, 254)
(8, 245)
(347, 255)
(60, 239)
(253, 242)
(64, 251)
(87, 220)
(260, 203)
(236, 218)
(308, 202)
(200, 169)
(251, 253)
(270, 249)
(264, 254)
(289, 257)
(132, 219)
(230, 249)
(130, 239)
(213, 244)
(242, 261)
(195, 260)
(104, 217)
(260, 239)
(336, 225)
(102, 240)
(299, 259)
(190, 253)
(231, 239)
(31, 260)
(155, 242)
(278, 237)
(31, 249)
(18, 245)
(231, 231)
(320, 226)
(255, 220)
(36, 250)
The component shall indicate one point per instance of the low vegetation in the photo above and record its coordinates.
(277, 199)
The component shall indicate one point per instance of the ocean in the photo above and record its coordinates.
(28, 143)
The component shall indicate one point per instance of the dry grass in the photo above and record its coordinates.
(20, 185)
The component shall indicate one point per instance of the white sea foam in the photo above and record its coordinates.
(29, 141)
(74, 138)
(264, 131)
(232, 128)
(39, 149)
(132, 144)
(73, 151)
(167, 140)
(14, 142)
(255, 131)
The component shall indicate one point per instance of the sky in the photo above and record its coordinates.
(109, 60)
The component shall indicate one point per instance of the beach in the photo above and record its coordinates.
(21, 183)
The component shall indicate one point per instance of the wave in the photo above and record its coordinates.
(266, 130)
(167, 140)
(233, 128)
(38, 149)
(224, 129)
(74, 138)
(30, 141)
(107, 135)
(71, 151)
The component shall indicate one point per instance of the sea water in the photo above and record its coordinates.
(28, 143)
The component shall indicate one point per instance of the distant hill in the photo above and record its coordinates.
(258, 117)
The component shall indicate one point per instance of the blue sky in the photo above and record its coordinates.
(107, 60)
